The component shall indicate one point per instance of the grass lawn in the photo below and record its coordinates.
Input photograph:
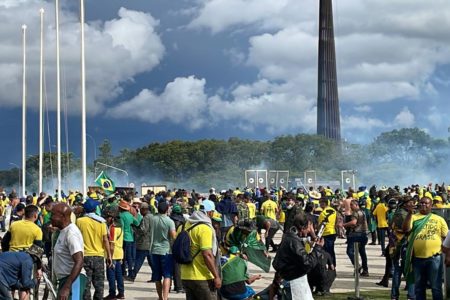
(372, 295)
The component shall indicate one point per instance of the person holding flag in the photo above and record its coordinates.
(106, 183)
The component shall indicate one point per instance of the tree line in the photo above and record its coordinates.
(404, 154)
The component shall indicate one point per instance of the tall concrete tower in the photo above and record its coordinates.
(328, 117)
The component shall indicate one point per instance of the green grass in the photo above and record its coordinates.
(372, 295)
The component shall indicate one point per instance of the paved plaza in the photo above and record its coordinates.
(141, 289)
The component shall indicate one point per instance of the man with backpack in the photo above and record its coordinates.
(195, 249)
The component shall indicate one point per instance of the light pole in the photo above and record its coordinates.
(18, 168)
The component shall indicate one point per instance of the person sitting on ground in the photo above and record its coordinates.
(235, 279)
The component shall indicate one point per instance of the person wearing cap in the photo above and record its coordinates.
(143, 240)
(68, 254)
(16, 271)
(96, 246)
(162, 232)
(235, 278)
(129, 244)
(201, 278)
(25, 233)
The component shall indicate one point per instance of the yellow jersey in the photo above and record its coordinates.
(428, 241)
(330, 227)
(23, 234)
(201, 239)
(269, 209)
(93, 233)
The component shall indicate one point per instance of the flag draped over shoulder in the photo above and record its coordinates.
(417, 227)
(106, 183)
(252, 247)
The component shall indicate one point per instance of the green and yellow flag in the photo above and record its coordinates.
(106, 183)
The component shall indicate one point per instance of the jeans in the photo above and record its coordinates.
(360, 238)
(428, 270)
(114, 274)
(398, 265)
(328, 246)
(382, 238)
(129, 249)
(141, 255)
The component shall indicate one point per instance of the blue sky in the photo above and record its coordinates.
(193, 69)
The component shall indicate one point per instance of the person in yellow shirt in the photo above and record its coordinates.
(96, 247)
(270, 209)
(251, 207)
(424, 249)
(201, 277)
(380, 213)
(115, 237)
(25, 233)
(437, 202)
(328, 218)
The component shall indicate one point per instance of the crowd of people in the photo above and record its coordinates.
(200, 244)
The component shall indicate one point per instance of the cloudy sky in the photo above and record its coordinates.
(191, 69)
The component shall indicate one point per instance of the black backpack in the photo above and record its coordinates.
(181, 249)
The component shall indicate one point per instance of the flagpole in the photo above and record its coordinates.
(83, 101)
(24, 110)
(58, 101)
(41, 109)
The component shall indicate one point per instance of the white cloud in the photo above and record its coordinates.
(363, 108)
(362, 123)
(404, 118)
(382, 54)
(183, 101)
(116, 51)
(262, 106)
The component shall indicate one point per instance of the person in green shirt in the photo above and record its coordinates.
(235, 278)
(129, 245)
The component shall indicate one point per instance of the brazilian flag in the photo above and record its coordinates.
(106, 183)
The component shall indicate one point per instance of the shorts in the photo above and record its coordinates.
(162, 266)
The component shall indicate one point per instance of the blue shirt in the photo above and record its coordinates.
(16, 270)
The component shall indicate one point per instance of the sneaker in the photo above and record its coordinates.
(364, 274)
(127, 278)
(120, 296)
(110, 297)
